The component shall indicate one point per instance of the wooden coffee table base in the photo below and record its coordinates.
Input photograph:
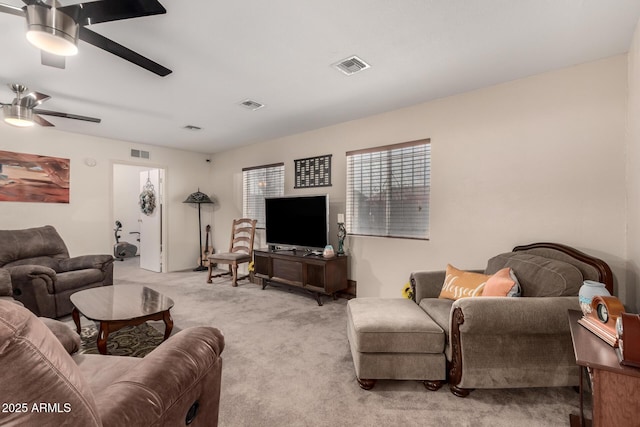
(108, 326)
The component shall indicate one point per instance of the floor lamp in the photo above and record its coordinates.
(199, 198)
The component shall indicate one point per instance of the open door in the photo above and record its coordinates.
(151, 222)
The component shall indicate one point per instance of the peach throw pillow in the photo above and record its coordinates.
(459, 284)
(503, 283)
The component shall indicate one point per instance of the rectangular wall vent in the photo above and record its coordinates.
(251, 105)
(351, 65)
(141, 154)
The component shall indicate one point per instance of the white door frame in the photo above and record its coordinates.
(162, 197)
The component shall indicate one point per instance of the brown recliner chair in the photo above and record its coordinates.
(43, 274)
(177, 384)
(6, 289)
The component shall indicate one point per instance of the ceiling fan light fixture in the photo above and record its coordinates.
(17, 115)
(51, 30)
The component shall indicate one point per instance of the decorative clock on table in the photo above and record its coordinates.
(605, 311)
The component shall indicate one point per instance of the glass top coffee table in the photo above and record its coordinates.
(115, 307)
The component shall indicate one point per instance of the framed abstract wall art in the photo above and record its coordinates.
(33, 178)
(313, 172)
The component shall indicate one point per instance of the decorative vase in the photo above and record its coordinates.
(328, 252)
(588, 290)
(342, 232)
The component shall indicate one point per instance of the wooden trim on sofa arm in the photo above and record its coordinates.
(604, 271)
(455, 370)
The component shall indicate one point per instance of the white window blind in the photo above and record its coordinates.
(388, 190)
(258, 183)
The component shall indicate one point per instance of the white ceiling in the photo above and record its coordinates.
(279, 53)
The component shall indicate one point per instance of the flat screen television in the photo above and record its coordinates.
(300, 222)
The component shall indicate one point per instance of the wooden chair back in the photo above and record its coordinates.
(243, 232)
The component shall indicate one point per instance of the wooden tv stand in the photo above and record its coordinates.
(312, 273)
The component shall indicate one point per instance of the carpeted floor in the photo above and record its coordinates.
(287, 363)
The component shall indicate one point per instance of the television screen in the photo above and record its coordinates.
(298, 221)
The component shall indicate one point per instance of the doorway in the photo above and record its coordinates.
(138, 205)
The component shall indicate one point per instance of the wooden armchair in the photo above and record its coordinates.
(240, 249)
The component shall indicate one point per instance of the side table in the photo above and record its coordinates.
(615, 386)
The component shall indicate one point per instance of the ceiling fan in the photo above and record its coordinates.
(22, 112)
(55, 29)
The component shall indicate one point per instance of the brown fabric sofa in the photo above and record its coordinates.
(502, 342)
(177, 384)
(43, 274)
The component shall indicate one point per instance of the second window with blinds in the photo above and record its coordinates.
(259, 183)
(388, 190)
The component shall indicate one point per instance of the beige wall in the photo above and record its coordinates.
(86, 223)
(529, 160)
(629, 293)
(537, 159)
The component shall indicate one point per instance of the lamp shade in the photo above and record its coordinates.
(51, 30)
(198, 198)
(18, 115)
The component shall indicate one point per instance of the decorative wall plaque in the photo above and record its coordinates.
(313, 172)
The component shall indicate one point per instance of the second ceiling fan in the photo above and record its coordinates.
(55, 29)
(22, 111)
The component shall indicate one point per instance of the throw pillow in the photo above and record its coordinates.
(539, 276)
(459, 284)
(502, 284)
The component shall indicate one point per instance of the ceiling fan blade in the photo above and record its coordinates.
(66, 115)
(121, 51)
(112, 10)
(33, 99)
(52, 60)
(5, 8)
(42, 122)
(38, 97)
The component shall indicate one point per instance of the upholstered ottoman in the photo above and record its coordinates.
(393, 338)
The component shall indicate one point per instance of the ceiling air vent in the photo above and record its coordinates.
(351, 65)
(251, 105)
(141, 154)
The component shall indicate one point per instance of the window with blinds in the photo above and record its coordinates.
(388, 190)
(259, 183)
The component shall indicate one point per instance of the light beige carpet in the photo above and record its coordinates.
(287, 363)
